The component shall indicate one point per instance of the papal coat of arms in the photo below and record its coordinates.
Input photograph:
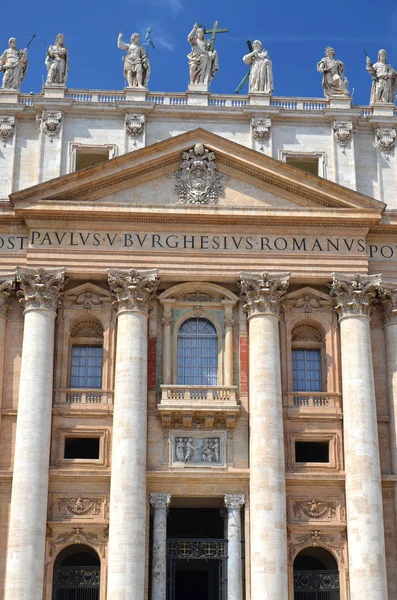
(198, 181)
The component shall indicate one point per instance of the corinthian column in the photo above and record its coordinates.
(234, 503)
(39, 291)
(127, 518)
(269, 580)
(160, 504)
(354, 297)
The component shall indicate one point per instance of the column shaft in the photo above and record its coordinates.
(127, 521)
(167, 350)
(160, 503)
(229, 352)
(234, 502)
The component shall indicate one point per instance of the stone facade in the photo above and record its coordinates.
(208, 223)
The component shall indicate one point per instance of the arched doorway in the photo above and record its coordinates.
(76, 574)
(316, 575)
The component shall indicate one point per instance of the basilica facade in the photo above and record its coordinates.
(198, 347)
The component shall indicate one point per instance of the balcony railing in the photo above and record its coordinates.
(83, 396)
(198, 393)
(313, 401)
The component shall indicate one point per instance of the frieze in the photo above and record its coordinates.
(198, 449)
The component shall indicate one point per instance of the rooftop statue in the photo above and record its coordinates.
(334, 82)
(384, 79)
(136, 62)
(14, 64)
(261, 74)
(203, 58)
(57, 62)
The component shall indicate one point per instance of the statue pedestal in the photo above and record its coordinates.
(344, 102)
(9, 96)
(198, 94)
(135, 94)
(259, 99)
(383, 109)
(54, 90)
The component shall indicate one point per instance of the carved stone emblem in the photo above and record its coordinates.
(263, 291)
(260, 130)
(385, 139)
(197, 450)
(198, 181)
(40, 288)
(79, 506)
(7, 125)
(354, 295)
(88, 300)
(50, 123)
(77, 536)
(314, 509)
(308, 302)
(135, 126)
(133, 289)
(342, 132)
(197, 297)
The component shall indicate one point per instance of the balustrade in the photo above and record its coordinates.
(318, 401)
(82, 396)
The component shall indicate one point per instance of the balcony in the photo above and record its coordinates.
(82, 399)
(313, 404)
(196, 406)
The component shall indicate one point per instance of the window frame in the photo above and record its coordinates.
(300, 347)
(320, 156)
(334, 451)
(309, 345)
(90, 148)
(85, 345)
(73, 432)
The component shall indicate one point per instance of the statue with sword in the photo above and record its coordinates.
(14, 64)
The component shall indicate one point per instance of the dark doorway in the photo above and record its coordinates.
(196, 580)
(316, 575)
(76, 574)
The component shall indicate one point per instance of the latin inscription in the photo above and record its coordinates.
(133, 241)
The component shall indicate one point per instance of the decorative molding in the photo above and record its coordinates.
(79, 506)
(388, 298)
(88, 300)
(40, 288)
(263, 291)
(160, 500)
(261, 130)
(306, 333)
(76, 536)
(134, 290)
(308, 302)
(50, 123)
(7, 127)
(87, 329)
(135, 126)
(314, 509)
(385, 139)
(342, 132)
(234, 501)
(334, 541)
(197, 297)
(198, 181)
(354, 295)
(7, 286)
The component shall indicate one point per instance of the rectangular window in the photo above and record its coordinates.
(86, 370)
(88, 157)
(308, 164)
(81, 447)
(312, 452)
(306, 371)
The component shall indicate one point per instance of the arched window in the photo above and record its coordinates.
(316, 575)
(76, 574)
(197, 355)
(86, 355)
(307, 373)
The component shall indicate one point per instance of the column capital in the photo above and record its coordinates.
(133, 289)
(263, 291)
(354, 295)
(7, 286)
(160, 500)
(388, 298)
(234, 500)
(40, 288)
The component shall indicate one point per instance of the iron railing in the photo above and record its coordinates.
(76, 583)
(190, 549)
(316, 585)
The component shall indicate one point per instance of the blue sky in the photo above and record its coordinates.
(295, 34)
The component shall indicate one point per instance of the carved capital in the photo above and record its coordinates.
(40, 288)
(342, 132)
(160, 500)
(354, 295)
(134, 125)
(263, 291)
(7, 286)
(388, 297)
(385, 139)
(133, 289)
(260, 130)
(7, 125)
(50, 123)
(235, 501)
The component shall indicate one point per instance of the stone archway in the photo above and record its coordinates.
(316, 575)
(77, 571)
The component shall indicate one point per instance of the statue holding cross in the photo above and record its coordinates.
(203, 58)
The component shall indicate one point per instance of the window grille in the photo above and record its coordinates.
(306, 371)
(86, 369)
(197, 354)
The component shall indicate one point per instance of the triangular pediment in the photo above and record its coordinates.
(143, 178)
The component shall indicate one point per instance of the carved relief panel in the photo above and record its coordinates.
(87, 507)
(319, 508)
(198, 449)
